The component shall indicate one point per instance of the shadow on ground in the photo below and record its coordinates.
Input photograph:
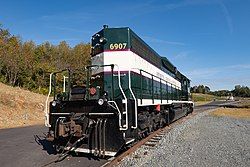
(47, 145)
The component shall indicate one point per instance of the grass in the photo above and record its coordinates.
(239, 113)
(199, 97)
(199, 103)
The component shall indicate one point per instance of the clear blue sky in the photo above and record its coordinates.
(208, 40)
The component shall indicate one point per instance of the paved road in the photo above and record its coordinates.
(26, 147)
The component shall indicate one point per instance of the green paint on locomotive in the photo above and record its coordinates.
(142, 87)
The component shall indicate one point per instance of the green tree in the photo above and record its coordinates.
(44, 64)
(4, 37)
(80, 59)
(26, 78)
(12, 60)
(28, 65)
(63, 56)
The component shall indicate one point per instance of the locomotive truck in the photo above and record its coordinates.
(129, 91)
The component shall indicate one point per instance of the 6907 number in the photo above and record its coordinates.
(117, 46)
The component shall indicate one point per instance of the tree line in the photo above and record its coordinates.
(28, 65)
(242, 91)
(239, 91)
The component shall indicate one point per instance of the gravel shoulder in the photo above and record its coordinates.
(204, 140)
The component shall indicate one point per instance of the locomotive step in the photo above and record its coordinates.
(129, 140)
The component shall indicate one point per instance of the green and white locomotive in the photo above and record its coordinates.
(129, 92)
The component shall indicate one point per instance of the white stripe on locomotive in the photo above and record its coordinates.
(127, 60)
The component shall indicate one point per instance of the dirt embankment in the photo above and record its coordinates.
(20, 107)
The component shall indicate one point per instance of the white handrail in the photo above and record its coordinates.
(46, 122)
(131, 91)
(64, 83)
(119, 112)
(125, 98)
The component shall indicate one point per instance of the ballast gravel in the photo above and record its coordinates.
(203, 140)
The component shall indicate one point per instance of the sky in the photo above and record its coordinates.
(207, 40)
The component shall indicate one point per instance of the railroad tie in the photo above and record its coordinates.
(154, 140)
(150, 144)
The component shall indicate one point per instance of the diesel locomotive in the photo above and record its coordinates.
(129, 91)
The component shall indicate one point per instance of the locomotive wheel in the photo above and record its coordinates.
(154, 126)
(150, 127)
(162, 122)
(139, 134)
(191, 109)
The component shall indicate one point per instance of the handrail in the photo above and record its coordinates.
(46, 110)
(124, 127)
(64, 83)
(47, 124)
(119, 112)
(131, 91)
(172, 85)
(156, 77)
(125, 98)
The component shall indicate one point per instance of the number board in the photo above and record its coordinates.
(117, 46)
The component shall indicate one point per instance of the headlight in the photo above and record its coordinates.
(102, 40)
(100, 102)
(53, 103)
